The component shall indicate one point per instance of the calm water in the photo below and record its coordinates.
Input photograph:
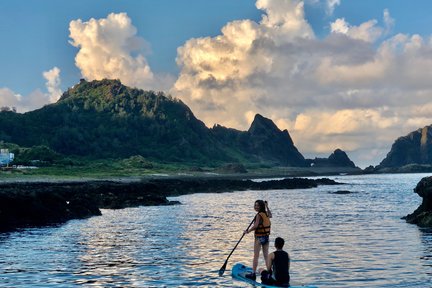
(354, 240)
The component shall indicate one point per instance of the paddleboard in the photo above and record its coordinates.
(239, 271)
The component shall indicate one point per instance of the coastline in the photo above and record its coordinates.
(39, 201)
(281, 172)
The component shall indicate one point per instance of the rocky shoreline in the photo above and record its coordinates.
(24, 204)
(422, 216)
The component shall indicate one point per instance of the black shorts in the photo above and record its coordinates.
(267, 279)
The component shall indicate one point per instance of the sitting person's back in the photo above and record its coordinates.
(278, 265)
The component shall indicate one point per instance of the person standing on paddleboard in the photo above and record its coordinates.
(261, 226)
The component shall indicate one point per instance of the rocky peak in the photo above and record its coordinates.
(268, 141)
(264, 127)
(340, 158)
(414, 148)
(337, 159)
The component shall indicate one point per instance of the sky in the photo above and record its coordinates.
(347, 74)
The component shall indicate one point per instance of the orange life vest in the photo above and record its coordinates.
(263, 228)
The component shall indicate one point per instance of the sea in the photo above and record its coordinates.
(334, 240)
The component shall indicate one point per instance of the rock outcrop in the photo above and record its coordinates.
(337, 159)
(422, 216)
(414, 148)
(264, 142)
(269, 142)
(36, 203)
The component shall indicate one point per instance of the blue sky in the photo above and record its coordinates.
(326, 70)
(35, 33)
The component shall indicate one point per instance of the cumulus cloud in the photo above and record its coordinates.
(353, 89)
(110, 48)
(35, 99)
(53, 83)
(8, 98)
(367, 31)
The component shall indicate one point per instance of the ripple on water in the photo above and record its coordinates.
(352, 240)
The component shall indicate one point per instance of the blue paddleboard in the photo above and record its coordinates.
(239, 271)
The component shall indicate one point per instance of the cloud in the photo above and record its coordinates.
(388, 21)
(53, 83)
(8, 98)
(353, 89)
(110, 48)
(331, 5)
(35, 99)
(367, 31)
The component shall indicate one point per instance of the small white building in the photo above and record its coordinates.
(6, 157)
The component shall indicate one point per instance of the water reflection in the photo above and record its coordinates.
(353, 240)
(426, 257)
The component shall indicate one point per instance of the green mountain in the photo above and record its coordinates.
(105, 119)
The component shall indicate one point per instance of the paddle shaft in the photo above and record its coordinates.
(226, 261)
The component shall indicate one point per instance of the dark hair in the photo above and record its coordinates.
(279, 242)
(262, 207)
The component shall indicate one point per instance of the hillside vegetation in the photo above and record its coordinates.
(107, 120)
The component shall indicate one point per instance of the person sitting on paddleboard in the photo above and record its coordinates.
(261, 226)
(278, 266)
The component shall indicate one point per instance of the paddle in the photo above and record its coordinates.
(222, 269)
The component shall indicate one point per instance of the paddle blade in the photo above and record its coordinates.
(222, 270)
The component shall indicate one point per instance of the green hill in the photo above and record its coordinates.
(105, 119)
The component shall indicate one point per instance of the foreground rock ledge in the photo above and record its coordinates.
(42, 203)
(422, 216)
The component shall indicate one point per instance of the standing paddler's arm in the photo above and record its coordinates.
(255, 224)
(269, 214)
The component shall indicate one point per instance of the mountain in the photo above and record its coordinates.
(105, 119)
(264, 141)
(414, 148)
(337, 159)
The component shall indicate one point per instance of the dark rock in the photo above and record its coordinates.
(341, 192)
(267, 141)
(414, 148)
(422, 216)
(24, 204)
(340, 158)
(264, 142)
(369, 170)
(337, 159)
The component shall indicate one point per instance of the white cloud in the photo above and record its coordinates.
(35, 99)
(388, 21)
(8, 98)
(53, 83)
(109, 48)
(331, 5)
(353, 90)
(367, 31)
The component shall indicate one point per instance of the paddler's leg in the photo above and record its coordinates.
(265, 249)
(257, 248)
